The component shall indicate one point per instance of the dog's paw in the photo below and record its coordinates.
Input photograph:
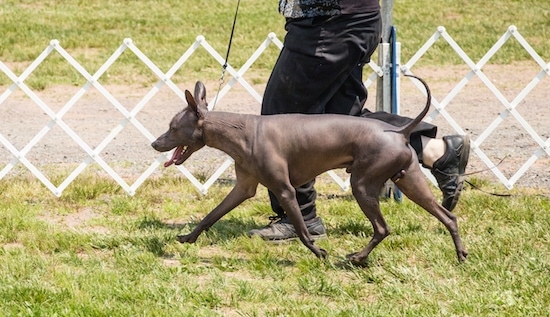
(187, 238)
(462, 255)
(355, 260)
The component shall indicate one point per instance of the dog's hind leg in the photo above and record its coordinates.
(245, 188)
(415, 187)
(366, 193)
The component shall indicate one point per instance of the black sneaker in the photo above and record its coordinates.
(449, 169)
(283, 230)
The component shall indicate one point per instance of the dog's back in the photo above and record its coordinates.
(307, 144)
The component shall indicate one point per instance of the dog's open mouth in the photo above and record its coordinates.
(177, 157)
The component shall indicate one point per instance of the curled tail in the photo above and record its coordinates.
(409, 127)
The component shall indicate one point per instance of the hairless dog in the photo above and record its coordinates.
(284, 151)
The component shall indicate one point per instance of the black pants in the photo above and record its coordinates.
(319, 70)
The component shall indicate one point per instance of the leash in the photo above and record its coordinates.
(478, 172)
(486, 192)
(224, 67)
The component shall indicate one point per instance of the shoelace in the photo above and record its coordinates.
(274, 219)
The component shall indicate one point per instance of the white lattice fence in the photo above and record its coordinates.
(509, 106)
(130, 117)
(237, 76)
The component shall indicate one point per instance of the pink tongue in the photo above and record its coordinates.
(175, 156)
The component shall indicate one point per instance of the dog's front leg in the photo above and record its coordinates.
(287, 199)
(244, 189)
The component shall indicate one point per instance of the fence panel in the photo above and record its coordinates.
(93, 154)
(509, 106)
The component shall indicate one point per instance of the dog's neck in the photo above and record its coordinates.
(226, 131)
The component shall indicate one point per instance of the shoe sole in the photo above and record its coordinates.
(464, 156)
(282, 241)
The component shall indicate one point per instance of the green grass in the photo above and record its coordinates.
(474, 26)
(164, 30)
(98, 252)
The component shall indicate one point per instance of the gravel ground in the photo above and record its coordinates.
(93, 118)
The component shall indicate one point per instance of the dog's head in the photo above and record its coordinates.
(185, 132)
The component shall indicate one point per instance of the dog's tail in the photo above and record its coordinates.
(409, 127)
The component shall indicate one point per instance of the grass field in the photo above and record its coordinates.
(98, 252)
(164, 30)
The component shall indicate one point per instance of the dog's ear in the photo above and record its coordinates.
(200, 97)
(200, 92)
(193, 104)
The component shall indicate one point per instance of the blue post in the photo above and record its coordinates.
(397, 195)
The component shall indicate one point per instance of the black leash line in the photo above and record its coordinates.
(224, 67)
(231, 38)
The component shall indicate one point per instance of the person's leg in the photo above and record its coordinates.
(432, 149)
(446, 157)
(353, 94)
(318, 71)
(281, 229)
(305, 195)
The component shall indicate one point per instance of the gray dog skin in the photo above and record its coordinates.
(285, 151)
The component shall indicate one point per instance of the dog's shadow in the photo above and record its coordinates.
(224, 229)
(233, 228)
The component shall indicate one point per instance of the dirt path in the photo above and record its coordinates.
(474, 108)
